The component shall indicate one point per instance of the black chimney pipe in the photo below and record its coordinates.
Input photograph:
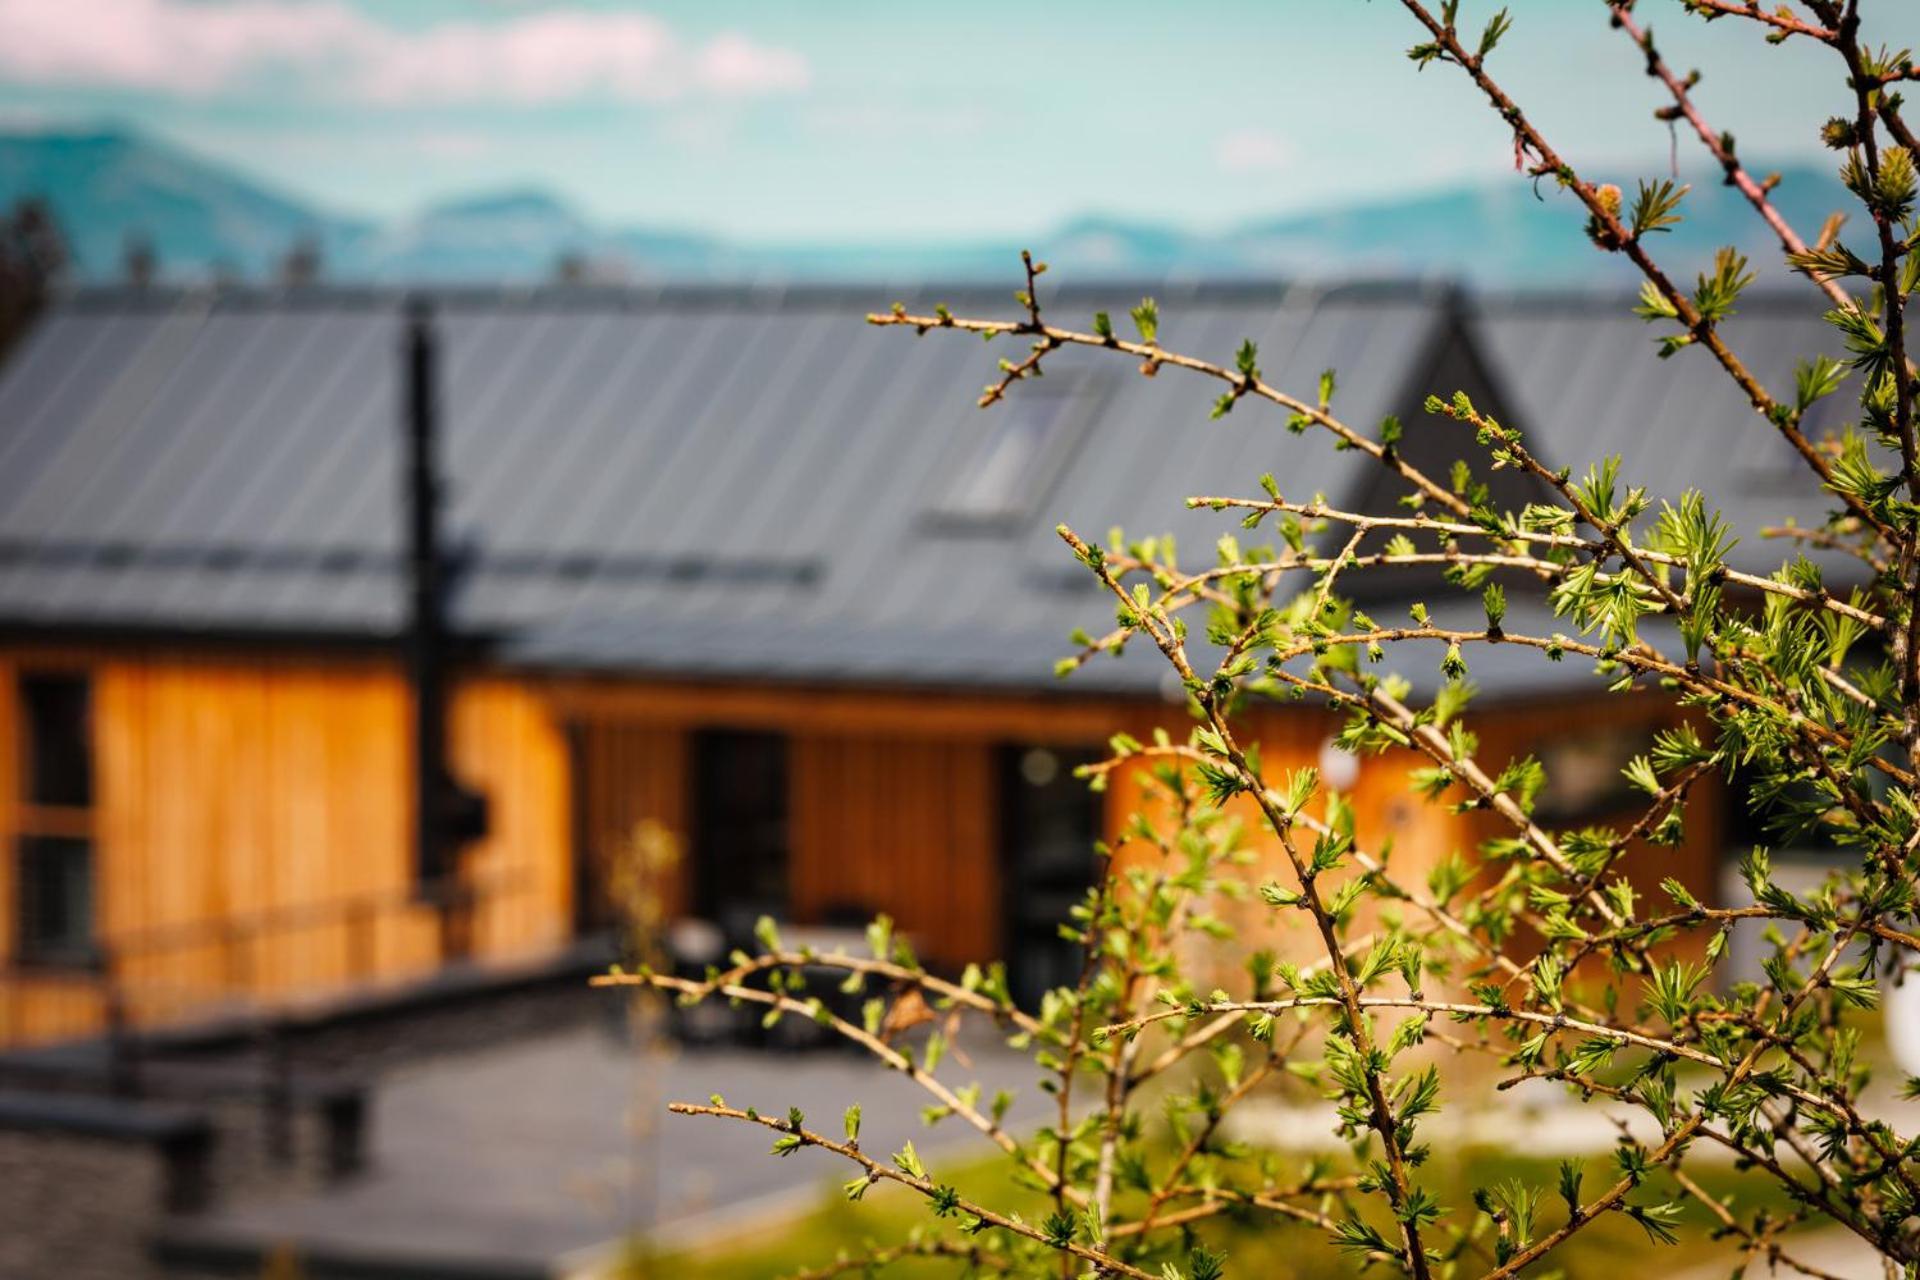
(446, 814)
(426, 628)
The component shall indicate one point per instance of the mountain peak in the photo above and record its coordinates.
(511, 202)
(109, 184)
(95, 136)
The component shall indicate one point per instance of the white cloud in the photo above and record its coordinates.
(332, 48)
(1253, 151)
(733, 64)
(164, 44)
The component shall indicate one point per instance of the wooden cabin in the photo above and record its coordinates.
(725, 559)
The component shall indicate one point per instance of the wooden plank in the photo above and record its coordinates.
(242, 804)
(504, 742)
(631, 773)
(233, 786)
(897, 825)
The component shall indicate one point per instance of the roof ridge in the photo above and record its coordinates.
(797, 295)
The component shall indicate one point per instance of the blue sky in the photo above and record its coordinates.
(850, 120)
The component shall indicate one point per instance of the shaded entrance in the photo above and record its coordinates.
(1049, 823)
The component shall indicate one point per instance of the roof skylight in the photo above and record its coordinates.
(1023, 446)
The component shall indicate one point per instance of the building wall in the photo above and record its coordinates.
(905, 825)
(631, 771)
(1527, 727)
(1386, 817)
(252, 837)
(895, 799)
(880, 820)
(893, 795)
(895, 803)
(505, 741)
(1414, 835)
(252, 814)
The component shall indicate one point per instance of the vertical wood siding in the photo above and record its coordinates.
(629, 773)
(1416, 834)
(253, 833)
(240, 790)
(901, 825)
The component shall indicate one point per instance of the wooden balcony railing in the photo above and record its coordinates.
(246, 965)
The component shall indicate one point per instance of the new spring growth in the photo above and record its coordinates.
(1564, 936)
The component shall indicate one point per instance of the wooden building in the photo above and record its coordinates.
(729, 560)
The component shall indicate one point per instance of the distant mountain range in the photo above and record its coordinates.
(109, 188)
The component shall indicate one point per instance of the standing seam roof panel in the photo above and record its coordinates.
(597, 437)
(54, 383)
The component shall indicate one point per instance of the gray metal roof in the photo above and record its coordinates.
(719, 483)
(1581, 374)
(715, 482)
